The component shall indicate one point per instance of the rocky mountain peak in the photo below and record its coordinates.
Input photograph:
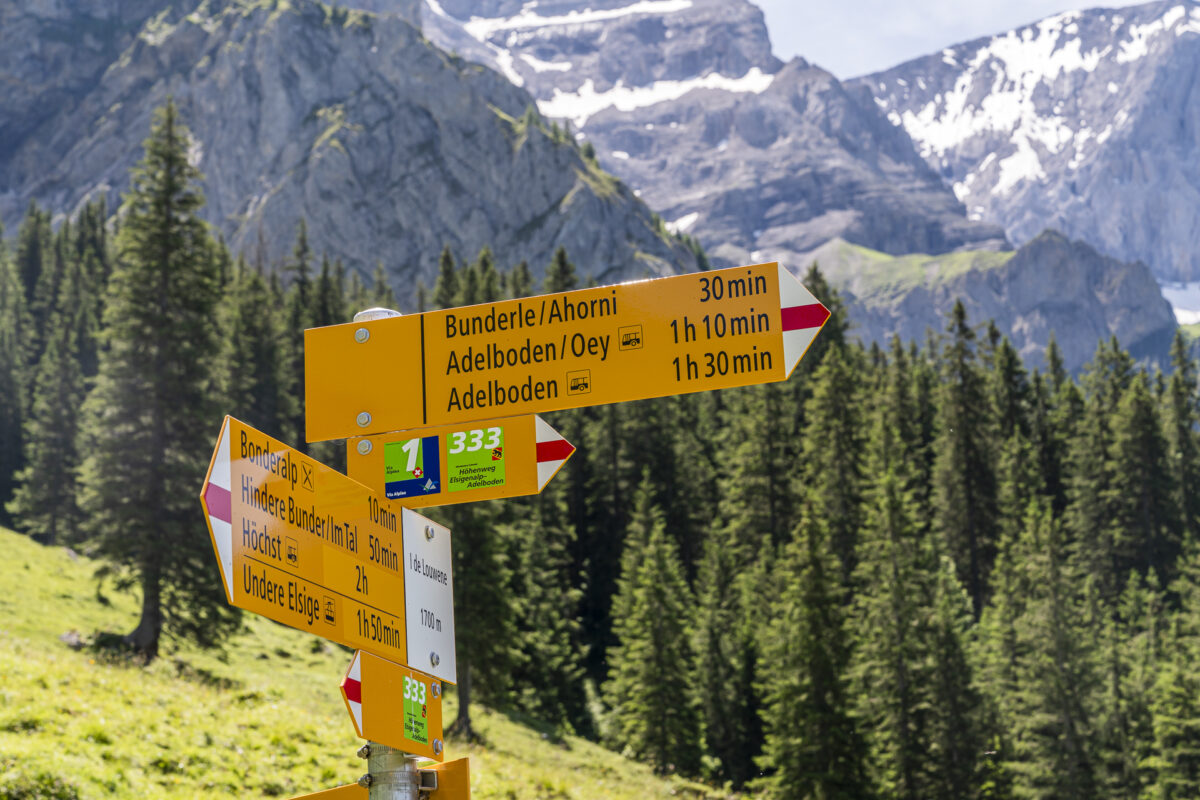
(1086, 121)
(389, 147)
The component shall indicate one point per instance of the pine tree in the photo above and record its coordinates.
(726, 643)
(1175, 701)
(1181, 418)
(15, 334)
(150, 418)
(381, 291)
(1052, 719)
(34, 253)
(832, 453)
(965, 478)
(45, 502)
(489, 278)
(298, 317)
(329, 303)
(560, 275)
(813, 748)
(485, 625)
(520, 281)
(1143, 527)
(889, 668)
(445, 289)
(549, 677)
(651, 666)
(253, 373)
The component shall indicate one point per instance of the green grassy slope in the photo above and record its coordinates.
(883, 277)
(263, 719)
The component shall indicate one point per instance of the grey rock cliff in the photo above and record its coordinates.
(389, 147)
(683, 99)
(1085, 121)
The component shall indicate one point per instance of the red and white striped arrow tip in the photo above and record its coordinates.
(802, 317)
(552, 451)
(352, 691)
(218, 506)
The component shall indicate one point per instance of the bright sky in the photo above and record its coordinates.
(862, 36)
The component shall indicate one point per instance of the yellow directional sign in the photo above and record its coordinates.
(304, 545)
(461, 463)
(453, 779)
(688, 333)
(395, 705)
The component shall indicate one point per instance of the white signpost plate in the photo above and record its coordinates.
(429, 597)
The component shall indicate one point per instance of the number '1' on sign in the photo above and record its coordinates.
(461, 463)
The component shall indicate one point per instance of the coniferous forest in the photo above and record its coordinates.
(924, 570)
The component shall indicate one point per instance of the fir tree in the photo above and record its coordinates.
(890, 671)
(485, 630)
(299, 317)
(150, 419)
(965, 478)
(726, 644)
(813, 748)
(489, 278)
(560, 275)
(549, 677)
(832, 454)
(651, 666)
(1175, 702)
(445, 289)
(253, 374)
(520, 281)
(381, 291)
(15, 333)
(1180, 421)
(1143, 527)
(1053, 752)
(45, 502)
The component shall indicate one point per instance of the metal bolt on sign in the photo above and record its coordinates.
(363, 419)
(365, 446)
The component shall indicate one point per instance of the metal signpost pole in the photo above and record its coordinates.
(391, 774)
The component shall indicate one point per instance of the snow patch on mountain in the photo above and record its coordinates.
(1020, 61)
(545, 66)
(682, 224)
(587, 102)
(483, 27)
(1185, 301)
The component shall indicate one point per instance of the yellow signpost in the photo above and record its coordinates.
(304, 545)
(461, 463)
(688, 333)
(395, 705)
(454, 780)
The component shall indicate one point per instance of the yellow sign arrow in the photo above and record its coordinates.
(688, 333)
(304, 545)
(462, 463)
(394, 705)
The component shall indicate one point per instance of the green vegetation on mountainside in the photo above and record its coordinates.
(879, 275)
(263, 718)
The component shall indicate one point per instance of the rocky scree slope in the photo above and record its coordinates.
(1087, 121)
(684, 100)
(388, 146)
